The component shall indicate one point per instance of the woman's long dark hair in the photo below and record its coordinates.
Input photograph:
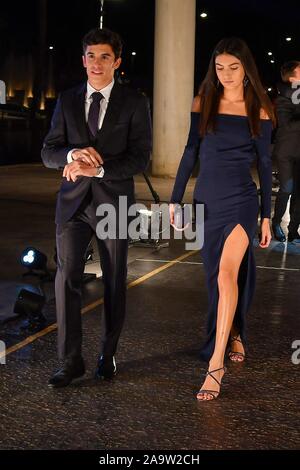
(255, 95)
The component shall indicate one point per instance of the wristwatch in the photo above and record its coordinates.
(100, 171)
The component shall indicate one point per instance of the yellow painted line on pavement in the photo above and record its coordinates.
(95, 304)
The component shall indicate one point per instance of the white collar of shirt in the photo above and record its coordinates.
(106, 91)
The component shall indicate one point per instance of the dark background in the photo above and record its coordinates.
(264, 24)
(27, 29)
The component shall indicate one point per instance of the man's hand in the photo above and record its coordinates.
(88, 155)
(78, 168)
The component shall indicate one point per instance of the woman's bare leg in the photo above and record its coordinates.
(233, 252)
(236, 346)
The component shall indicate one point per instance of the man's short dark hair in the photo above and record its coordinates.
(103, 36)
(288, 69)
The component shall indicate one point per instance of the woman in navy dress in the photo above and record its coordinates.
(231, 125)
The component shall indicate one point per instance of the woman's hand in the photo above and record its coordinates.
(266, 237)
(171, 213)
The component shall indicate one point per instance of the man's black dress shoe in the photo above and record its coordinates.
(106, 368)
(294, 237)
(65, 375)
(278, 233)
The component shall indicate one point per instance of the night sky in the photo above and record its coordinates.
(264, 24)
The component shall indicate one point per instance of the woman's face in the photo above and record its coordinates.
(229, 71)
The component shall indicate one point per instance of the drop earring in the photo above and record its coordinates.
(246, 81)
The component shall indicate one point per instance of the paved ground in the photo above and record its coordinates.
(151, 403)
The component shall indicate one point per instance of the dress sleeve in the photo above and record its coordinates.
(264, 166)
(188, 160)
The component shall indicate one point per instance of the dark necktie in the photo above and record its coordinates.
(93, 116)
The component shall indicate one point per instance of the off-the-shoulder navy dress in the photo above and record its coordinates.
(225, 187)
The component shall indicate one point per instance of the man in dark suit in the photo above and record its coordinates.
(101, 137)
(287, 152)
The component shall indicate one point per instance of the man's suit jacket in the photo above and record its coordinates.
(124, 143)
(287, 140)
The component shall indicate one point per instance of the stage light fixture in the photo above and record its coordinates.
(30, 305)
(36, 263)
(33, 259)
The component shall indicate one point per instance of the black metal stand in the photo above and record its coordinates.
(149, 243)
(154, 193)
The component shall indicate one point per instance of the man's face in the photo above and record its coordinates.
(296, 75)
(100, 63)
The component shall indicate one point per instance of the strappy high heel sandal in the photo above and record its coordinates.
(213, 393)
(232, 354)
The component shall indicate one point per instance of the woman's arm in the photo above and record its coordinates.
(264, 166)
(190, 155)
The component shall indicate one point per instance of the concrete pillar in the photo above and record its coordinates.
(173, 82)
